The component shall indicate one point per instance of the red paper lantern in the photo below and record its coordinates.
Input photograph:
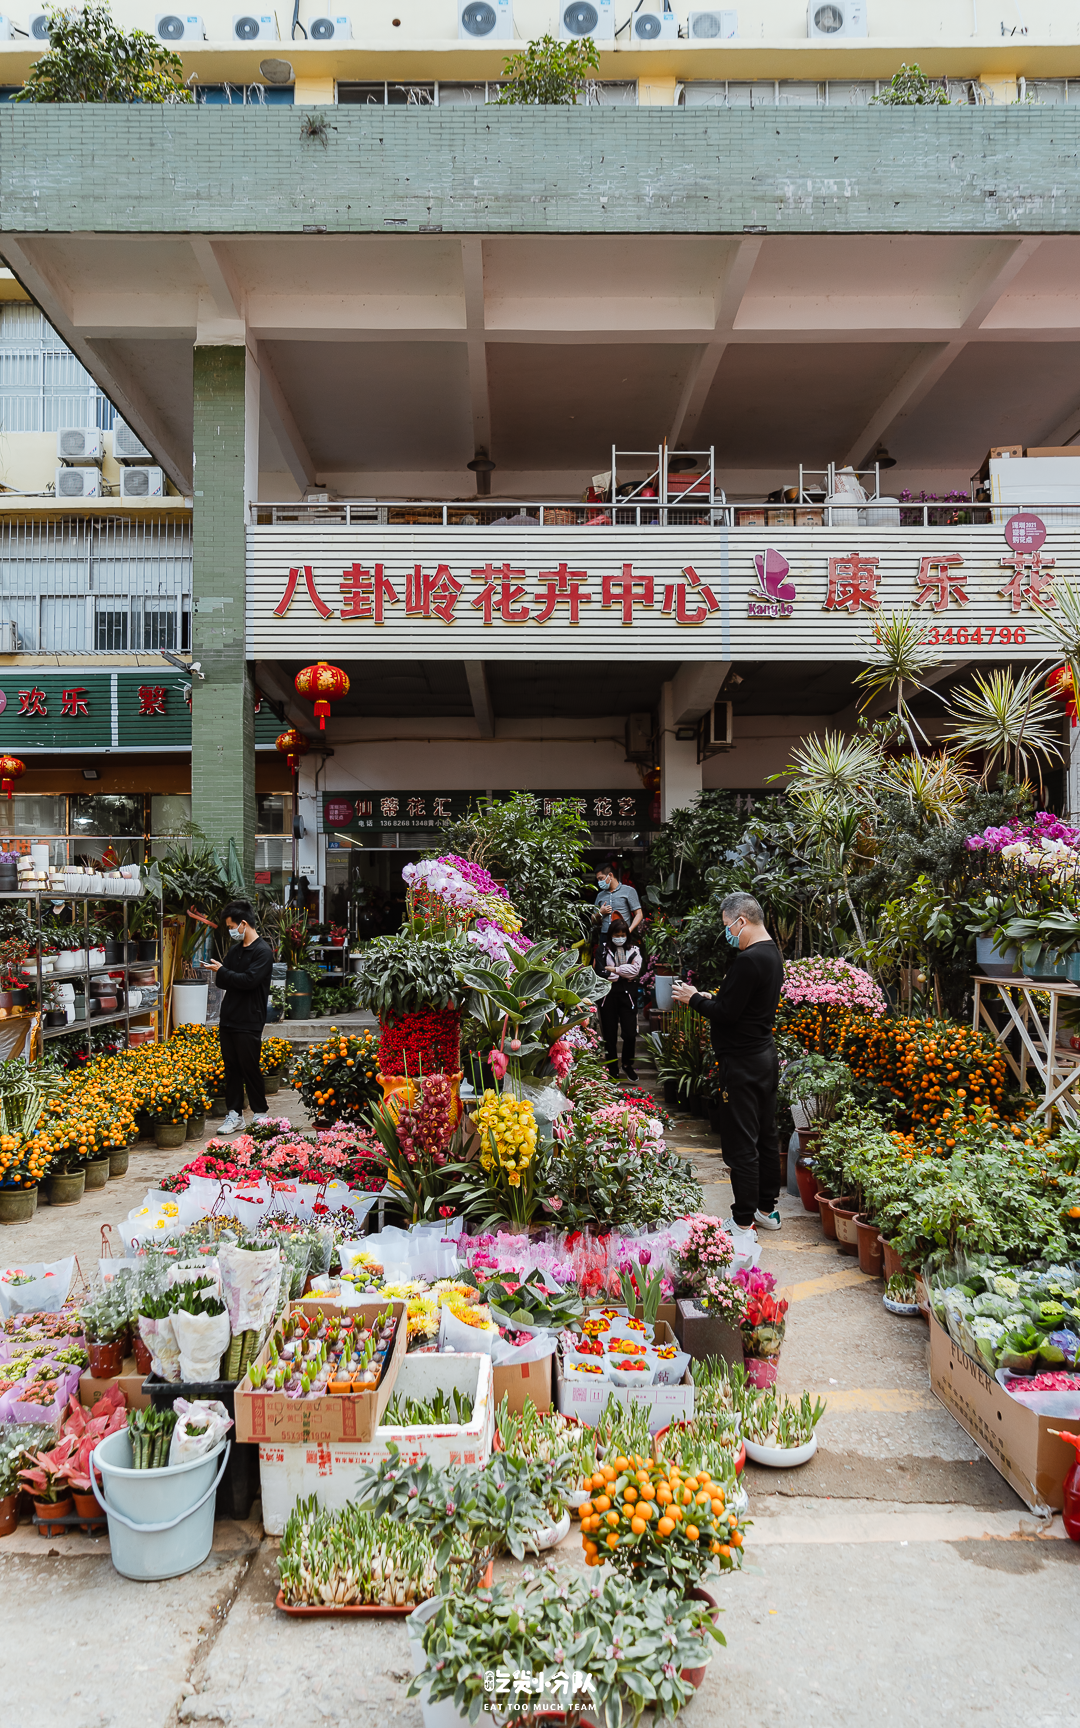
(292, 745)
(322, 684)
(1062, 687)
(10, 770)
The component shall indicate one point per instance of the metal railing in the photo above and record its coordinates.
(736, 513)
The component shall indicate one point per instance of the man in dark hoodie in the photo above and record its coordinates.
(245, 979)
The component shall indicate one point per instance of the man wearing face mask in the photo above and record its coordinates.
(619, 961)
(245, 979)
(741, 1014)
(613, 896)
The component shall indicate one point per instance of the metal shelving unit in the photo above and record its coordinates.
(86, 972)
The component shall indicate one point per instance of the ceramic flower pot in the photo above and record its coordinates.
(66, 1189)
(9, 1514)
(272, 1083)
(88, 1509)
(46, 1509)
(97, 1172)
(196, 1126)
(828, 1222)
(106, 1360)
(142, 1354)
(808, 1139)
(298, 993)
(761, 1372)
(891, 1263)
(118, 1163)
(170, 1133)
(804, 1176)
(847, 1237)
(17, 1205)
(868, 1243)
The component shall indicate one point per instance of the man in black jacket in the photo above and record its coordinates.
(741, 1014)
(245, 979)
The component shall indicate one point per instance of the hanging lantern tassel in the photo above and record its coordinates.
(292, 745)
(322, 684)
(10, 770)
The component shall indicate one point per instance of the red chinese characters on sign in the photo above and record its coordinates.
(1028, 580)
(675, 598)
(501, 594)
(627, 591)
(941, 581)
(32, 702)
(152, 698)
(366, 593)
(853, 584)
(432, 596)
(290, 589)
(562, 586)
(74, 702)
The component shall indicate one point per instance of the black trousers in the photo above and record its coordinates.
(618, 1011)
(241, 1050)
(748, 1136)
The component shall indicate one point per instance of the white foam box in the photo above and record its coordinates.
(291, 1472)
(665, 1404)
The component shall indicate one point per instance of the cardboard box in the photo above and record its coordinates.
(1053, 450)
(336, 1415)
(1017, 1442)
(665, 1404)
(749, 518)
(131, 1385)
(524, 1383)
(998, 451)
(288, 1473)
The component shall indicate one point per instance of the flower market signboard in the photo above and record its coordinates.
(421, 592)
(358, 813)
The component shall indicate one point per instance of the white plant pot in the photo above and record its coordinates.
(189, 1004)
(550, 1536)
(781, 1457)
(65, 961)
(662, 984)
(906, 1310)
(444, 1714)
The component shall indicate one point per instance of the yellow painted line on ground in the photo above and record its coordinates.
(890, 1400)
(823, 1286)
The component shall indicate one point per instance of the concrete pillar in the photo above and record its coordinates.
(680, 770)
(222, 705)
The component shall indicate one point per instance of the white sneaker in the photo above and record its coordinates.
(768, 1220)
(744, 1237)
(232, 1122)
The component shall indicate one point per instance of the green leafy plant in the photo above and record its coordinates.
(455, 1410)
(346, 1558)
(816, 1083)
(911, 88)
(89, 60)
(537, 851)
(108, 1314)
(549, 73)
(151, 1433)
(18, 1440)
(528, 1008)
(411, 969)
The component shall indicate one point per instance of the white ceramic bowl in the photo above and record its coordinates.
(907, 1310)
(781, 1457)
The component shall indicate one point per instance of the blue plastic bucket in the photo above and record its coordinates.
(161, 1522)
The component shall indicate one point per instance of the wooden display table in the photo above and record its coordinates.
(1057, 1068)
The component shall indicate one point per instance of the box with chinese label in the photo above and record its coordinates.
(292, 1472)
(330, 1416)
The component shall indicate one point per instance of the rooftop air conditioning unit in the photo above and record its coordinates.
(330, 29)
(652, 24)
(710, 27)
(78, 483)
(836, 18)
(39, 26)
(77, 444)
(141, 483)
(179, 27)
(126, 447)
(255, 26)
(595, 18)
(9, 636)
(715, 731)
(485, 20)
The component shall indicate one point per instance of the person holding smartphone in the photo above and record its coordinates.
(245, 979)
(741, 1016)
(619, 961)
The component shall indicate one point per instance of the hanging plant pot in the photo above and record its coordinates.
(118, 1163)
(66, 1188)
(17, 1205)
(97, 1172)
(807, 1181)
(170, 1133)
(106, 1360)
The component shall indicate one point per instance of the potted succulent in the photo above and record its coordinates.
(106, 1320)
(596, 1652)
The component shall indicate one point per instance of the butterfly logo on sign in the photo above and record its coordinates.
(775, 593)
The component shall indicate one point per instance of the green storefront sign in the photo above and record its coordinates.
(84, 711)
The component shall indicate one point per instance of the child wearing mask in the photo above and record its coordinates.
(619, 961)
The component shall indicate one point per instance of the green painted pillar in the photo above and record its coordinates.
(222, 705)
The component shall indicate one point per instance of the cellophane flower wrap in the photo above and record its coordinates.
(763, 1320)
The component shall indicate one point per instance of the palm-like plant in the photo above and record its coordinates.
(934, 785)
(1009, 720)
(834, 770)
(898, 655)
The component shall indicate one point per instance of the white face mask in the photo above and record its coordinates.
(619, 941)
(235, 934)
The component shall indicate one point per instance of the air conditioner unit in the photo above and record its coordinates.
(38, 26)
(715, 731)
(653, 25)
(5, 29)
(330, 29)
(78, 444)
(126, 447)
(639, 737)
(485, 20)
(78, 483)
(595, 18)
(141, 483)
(9, 636)
(179, 27)
(710, 27)
(834, 18)
(255, 26)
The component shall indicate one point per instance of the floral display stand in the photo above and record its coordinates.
(1057, 1067)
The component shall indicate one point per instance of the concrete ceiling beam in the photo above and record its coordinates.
(731, 291)
(472, 271)
(695, 687)
(480, 696)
